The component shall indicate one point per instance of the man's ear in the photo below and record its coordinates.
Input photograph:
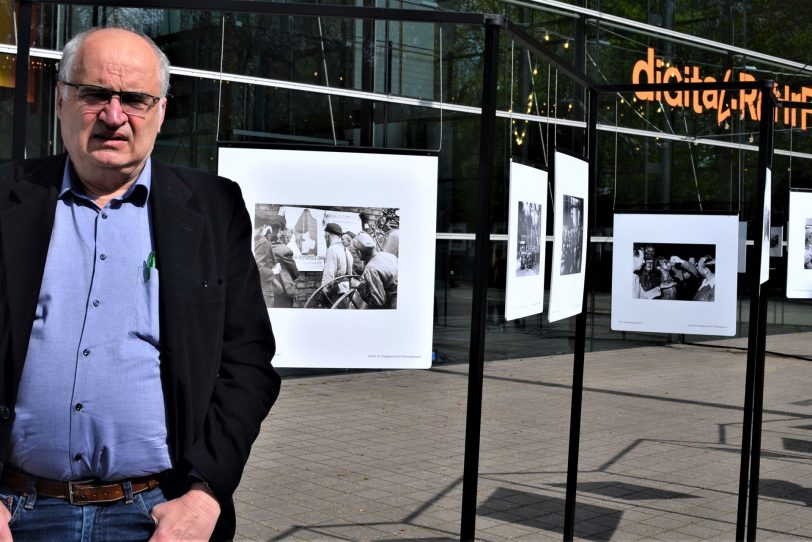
(58, 99)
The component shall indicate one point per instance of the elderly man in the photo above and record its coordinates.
(135, 345)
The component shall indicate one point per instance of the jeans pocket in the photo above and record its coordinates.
(13, 504)
(148, 500)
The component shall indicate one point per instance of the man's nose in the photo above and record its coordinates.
(112, 113)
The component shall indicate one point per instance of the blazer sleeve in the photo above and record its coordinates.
(245, 384)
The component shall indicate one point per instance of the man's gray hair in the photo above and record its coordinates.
(67, 64)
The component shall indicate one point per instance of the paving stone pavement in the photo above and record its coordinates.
(379, 455)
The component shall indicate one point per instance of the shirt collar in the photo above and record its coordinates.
(137, 193)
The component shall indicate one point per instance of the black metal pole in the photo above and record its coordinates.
(765, 154)
(21, 82)
(476, 359)
(757, 329)
(747, 421)
(758, 408)
(580, 328)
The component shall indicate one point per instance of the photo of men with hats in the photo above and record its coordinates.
(349, 269)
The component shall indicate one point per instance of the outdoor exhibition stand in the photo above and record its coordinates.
(493, 26)
(757, 327)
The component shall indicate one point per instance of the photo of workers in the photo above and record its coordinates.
(327, 258)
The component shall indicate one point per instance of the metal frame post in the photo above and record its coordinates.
(756, 333)
(765, 159)
(580, 326)
(476, 360)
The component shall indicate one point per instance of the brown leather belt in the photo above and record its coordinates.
(79, 493)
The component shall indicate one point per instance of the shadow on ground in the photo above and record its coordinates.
(547, 513)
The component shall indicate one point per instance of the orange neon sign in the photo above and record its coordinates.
(745, 103)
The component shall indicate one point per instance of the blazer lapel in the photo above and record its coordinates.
(26, 221)
(177, 232)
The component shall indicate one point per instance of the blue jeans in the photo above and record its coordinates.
(45, 519)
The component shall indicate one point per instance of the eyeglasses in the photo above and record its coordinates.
(95, 98)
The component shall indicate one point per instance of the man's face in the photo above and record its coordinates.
(108, 144)
(637, 261)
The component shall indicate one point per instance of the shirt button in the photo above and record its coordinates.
(104, 215)
(85, 352)
(78, 407)
(5, 412)
(77, 457)
(95, 302)
(103, 256)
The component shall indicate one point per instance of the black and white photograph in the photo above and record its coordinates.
(570, 209)
(799, 245)
(674, 273)
(776, 241)
(527, 222)
(529, 240)
(355, 250)
(572, 236)
(345, 246)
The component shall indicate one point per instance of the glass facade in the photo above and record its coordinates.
(255, 77)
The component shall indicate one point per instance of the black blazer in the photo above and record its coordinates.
(216, 339)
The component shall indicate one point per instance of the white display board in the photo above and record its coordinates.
(347, 190)
(526, 241)
(799, 245)
(675, 273)
(765, 230)
(570, 211)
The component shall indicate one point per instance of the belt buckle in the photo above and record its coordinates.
(70, 491)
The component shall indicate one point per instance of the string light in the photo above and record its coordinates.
(518, 136)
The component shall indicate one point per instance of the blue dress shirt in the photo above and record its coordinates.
(90, 401)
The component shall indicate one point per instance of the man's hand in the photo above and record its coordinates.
(189, 517)
(5, 517)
